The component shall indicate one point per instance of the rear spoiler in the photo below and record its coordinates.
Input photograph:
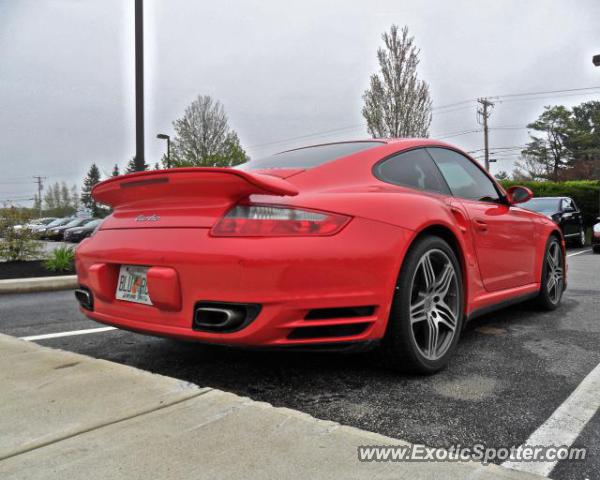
(210, 183)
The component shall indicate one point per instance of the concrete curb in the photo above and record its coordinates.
(65, 415)
(38, 284)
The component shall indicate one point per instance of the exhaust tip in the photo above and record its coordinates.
(223, 317)
(85, 298)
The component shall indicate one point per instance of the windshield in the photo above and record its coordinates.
(542, 204)
(76, 222)
(308, 157)
(57, 222)
(93, 223)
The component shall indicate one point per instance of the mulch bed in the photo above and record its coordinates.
(30, 269)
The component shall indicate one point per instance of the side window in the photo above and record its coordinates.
(414, 169)
(465, 179)
(568, 205)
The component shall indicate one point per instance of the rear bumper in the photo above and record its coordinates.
(287, 277)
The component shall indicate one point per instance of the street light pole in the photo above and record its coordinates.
(596, 62)
(140, 160)
(164, 136)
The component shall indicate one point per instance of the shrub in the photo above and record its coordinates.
(17, 244)
(586, 194)
(61, 260)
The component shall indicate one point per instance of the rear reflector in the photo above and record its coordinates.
(270, 220)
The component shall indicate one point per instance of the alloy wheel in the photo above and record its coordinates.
(434, 306)
(554, 272)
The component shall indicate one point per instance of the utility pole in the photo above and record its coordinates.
(483, 113)
(140, 160)
(39, 180)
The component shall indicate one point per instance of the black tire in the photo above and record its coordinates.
(399, 349)
(546, 299)
(596, 249)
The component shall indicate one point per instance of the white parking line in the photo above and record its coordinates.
(565, 424)
(67, 334)
(577, 253)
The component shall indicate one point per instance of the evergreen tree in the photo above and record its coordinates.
(132, 166)
(91, 179)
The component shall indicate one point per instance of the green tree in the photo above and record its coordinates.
(132, 166)
(584, 141)
(92, 178)
(17, 244)
(203, 137)
(566, 145)
(59, 200)
(397, 102)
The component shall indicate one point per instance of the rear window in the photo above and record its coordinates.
(308, 157)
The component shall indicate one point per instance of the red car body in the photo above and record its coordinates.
(333, 287)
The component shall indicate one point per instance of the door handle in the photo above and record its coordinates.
(480, 225)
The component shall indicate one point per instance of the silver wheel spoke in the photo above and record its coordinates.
(428, 272)
(443, 283)
(432, 338)
(417, 311)
(446, 316)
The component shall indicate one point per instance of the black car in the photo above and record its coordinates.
(564, 212)
(596, 237)
(76, 234)
(57, 232)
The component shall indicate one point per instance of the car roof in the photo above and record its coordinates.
(409, 142)
(551, 198)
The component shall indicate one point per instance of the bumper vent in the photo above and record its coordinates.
(339, 312)
(328, 331)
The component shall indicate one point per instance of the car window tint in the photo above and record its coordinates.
(466, 180)
(309, 157)
(415, 169)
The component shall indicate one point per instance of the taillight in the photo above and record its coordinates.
(272, 221)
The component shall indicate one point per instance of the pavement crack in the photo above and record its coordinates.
(107, 424)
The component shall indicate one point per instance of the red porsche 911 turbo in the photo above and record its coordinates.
(388, 243)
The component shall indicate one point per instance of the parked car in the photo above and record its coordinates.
(42, 231)
(564, 212)
(76, 234)
(57, 233)
(389, 243)
(596, 237)
(33, 224)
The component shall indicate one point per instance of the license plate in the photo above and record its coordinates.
(133, 284)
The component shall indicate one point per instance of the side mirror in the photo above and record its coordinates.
(519, 194)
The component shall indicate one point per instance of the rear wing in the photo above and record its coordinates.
(210, 183)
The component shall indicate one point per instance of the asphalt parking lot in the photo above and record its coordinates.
(513, 368)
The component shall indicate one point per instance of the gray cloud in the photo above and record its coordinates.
(282, 69)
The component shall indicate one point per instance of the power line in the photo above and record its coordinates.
(447, 108)
(528, 94)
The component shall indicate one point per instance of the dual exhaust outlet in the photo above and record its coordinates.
(223, 317)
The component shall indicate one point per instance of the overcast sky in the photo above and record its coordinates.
(282, 69)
